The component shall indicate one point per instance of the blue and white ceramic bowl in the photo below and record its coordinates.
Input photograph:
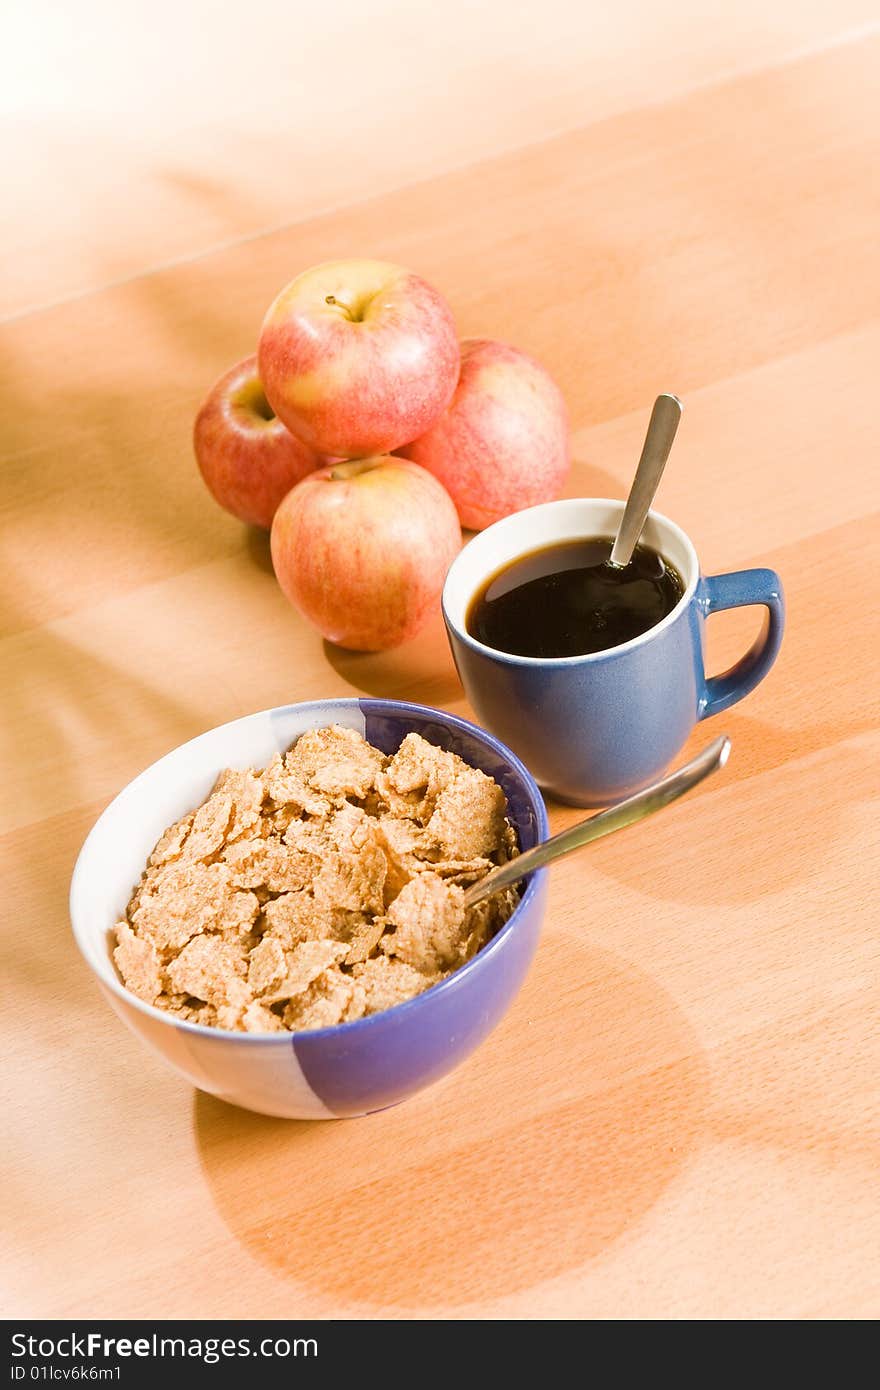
(327, 1073)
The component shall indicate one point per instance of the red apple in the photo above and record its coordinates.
(358, 357)
(246, 456)
(362, 549)
(502, 443)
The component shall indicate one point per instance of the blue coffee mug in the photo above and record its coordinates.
(595, 728)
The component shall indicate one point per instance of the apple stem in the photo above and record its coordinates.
(331, 299)
(351, 468)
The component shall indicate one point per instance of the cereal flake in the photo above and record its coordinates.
(325, 888)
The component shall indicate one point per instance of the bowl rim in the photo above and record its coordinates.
(287, 1038)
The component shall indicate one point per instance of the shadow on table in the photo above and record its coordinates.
(539, 1154)
(256, 543)
(421, 670)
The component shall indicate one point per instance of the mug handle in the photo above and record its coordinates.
(738, 590)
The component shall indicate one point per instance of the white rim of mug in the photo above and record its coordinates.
(497, 654)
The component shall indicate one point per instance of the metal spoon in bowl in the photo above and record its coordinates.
(655, 451)
(627, 812)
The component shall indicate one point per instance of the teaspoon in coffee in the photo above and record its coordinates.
(634, 808)
(655, 451)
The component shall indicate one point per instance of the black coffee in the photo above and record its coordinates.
(566, 600)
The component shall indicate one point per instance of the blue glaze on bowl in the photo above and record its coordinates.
(380, 1060)
(377, 1061)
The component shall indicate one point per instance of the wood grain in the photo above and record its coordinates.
(680, 1115)
(137, 135)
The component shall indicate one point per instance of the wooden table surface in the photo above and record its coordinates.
(679, 1116)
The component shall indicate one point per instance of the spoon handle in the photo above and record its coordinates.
(635, 808)
(655, 451)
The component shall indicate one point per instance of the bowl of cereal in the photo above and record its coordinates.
(277, 906)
